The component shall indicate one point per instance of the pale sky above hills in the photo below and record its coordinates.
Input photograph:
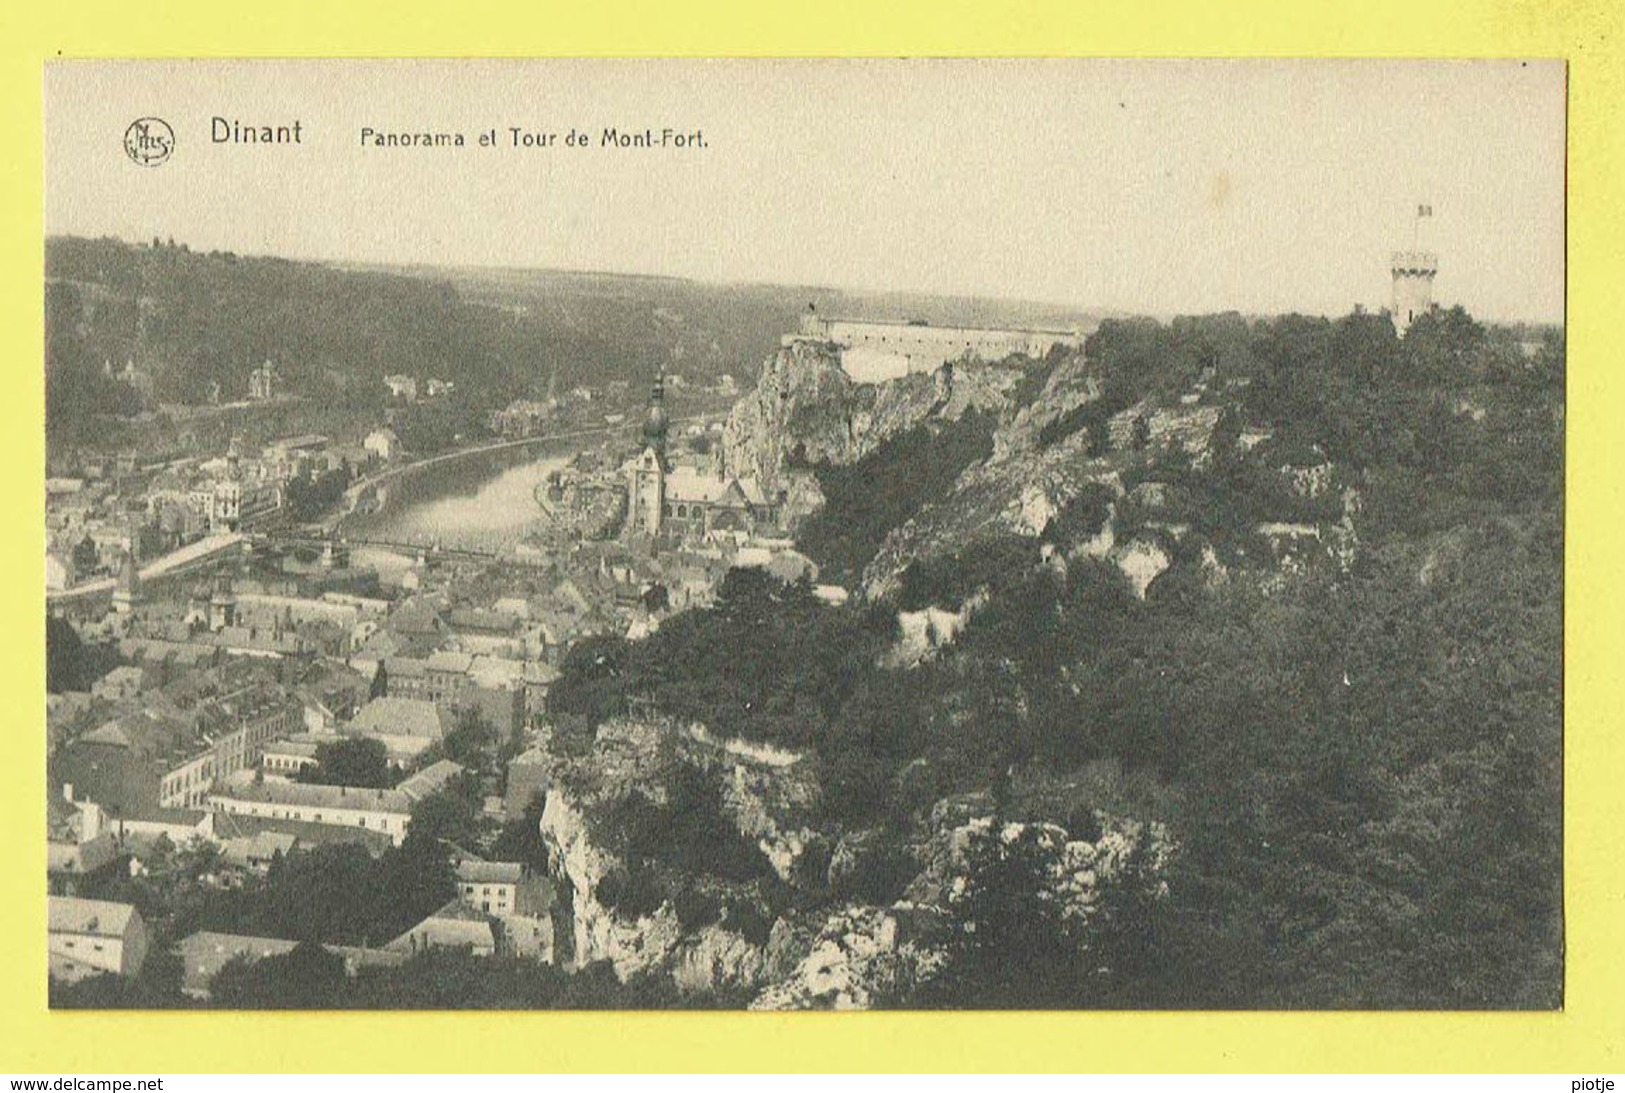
(1161, 187)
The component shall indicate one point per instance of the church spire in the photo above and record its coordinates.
(646, 482)
(655, 423)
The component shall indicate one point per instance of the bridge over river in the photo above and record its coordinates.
(437, 522)
(304, 540)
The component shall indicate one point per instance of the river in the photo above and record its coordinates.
(482, 502)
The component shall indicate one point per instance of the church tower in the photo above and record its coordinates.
(222, 604)
(646, 478)
(127, 587)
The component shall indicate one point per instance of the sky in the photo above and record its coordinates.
(1159, 187)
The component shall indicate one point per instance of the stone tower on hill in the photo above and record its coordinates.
(1413, 271)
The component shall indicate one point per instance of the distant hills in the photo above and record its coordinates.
(193, 320)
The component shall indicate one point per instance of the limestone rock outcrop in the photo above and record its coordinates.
(805, 409)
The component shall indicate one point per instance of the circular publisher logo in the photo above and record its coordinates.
(149, 141)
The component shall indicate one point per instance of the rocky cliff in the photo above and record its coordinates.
(631, 943)
(1056, 438)
(804, 946)
(629, 909)
(859, 957)
(717, 862)
(805, 409)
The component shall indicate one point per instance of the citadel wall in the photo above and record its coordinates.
(873, 351)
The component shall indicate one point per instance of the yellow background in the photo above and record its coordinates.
(1589, 1036)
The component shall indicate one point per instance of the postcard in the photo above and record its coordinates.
(805, 534)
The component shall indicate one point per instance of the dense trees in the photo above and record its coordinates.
(76, 386)
(194, 320)
(307, 977)
(470, 739)
(520, 839)
(71, 664)
(1011, 943)
(1327, 747)
(208, 318)
(1360, 769)
(866, 499)
(333, 894)
(688, 830)
(949, 580)
(1021, 933)
(157, 986)
(768, 661)
(306, 497)
(339, 893)
(356, 761)
(592, 681)
(1365, 776)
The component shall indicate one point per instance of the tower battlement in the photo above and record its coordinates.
(1413, 271)
(1415, 263)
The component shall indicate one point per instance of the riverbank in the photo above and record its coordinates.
(482, 498)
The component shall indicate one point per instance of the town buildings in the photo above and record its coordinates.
(204, 953)
(387, 811)
(240, 656)
(522, 418)
(235, 494)
(168, 752)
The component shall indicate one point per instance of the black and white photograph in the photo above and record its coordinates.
(824, 534)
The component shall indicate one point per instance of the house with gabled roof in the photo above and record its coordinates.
(407, 727)
(454, 926)
(204, 953)
(256, 852)
(89, 937)
(430, 780)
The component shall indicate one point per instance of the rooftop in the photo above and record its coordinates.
(489, 872)
(483, 618)
(304, 440)
(260, 846)
(689, 485)
(416, 616)
(405, 667)
(431, 779)
(304, 749)
(236, 825)
(447, 661)
(393, 716)
(496, 672)
(206, 952)
(452, 926)
(71, 915)
(317, 796)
